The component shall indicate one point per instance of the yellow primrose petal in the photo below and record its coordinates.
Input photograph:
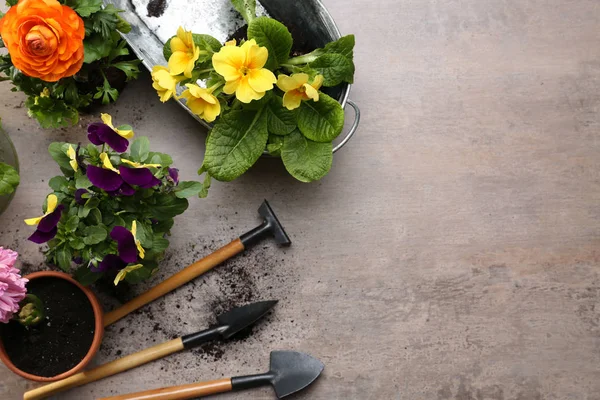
(232, 42)
(300, 79)
(73, 156)
(211, 112)
(185, 36)
(34, 221)
(178, 45)
(317, 82)
(123, 273)
(286, 83)
(107, 164)
(310, 92)
(228, 62)
(245, 93)
(178, 62)
(292, 99)
(261, 80)
(231, 87)
(256, 56)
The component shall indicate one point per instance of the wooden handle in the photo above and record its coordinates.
(173, 282)
(111, 368)
(179, 392)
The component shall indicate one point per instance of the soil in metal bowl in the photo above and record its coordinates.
(62, 340)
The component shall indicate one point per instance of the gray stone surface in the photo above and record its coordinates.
(452, 253)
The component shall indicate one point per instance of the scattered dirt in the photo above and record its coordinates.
(156, 8)
(59, 343)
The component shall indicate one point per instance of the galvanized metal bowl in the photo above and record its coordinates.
(309, 16)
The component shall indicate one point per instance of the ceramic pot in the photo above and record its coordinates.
(97, 339)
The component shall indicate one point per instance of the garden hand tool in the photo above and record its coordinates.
(229, 324)
(270, 227)
(290, 372)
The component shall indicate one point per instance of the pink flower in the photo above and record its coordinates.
(12, 285)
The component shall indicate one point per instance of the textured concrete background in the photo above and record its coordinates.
(452, 252)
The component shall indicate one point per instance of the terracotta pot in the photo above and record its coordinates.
(98, 332)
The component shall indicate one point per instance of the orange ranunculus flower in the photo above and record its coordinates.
(44, 39)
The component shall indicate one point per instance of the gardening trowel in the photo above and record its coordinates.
(290, 372)
(270, 227)
(229, 324)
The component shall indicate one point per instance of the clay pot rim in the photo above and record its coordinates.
(98, 332)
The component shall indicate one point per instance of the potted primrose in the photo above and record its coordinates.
(111, 209)
(261, 92)
(65, 56)
(51, 325)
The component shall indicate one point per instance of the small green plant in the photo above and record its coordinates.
(111, 209)
(63, 70)
(258, 96)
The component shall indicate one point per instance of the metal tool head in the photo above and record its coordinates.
(276, 228)
(239, 318)
(292, 371)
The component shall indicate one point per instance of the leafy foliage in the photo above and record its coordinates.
(57, 104)
(9, 179)
(83, 238)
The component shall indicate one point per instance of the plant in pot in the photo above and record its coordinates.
(111, 209)
(51, 325)
(65, 55)
(9, 170)
(260, 95)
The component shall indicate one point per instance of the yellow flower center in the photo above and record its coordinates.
(244, 70)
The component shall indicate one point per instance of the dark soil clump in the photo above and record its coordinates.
(62, 340)
(156, 8)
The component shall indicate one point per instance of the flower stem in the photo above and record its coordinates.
(304, 59)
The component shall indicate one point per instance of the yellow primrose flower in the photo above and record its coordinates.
(126, 133)
(106, 164)
(73, 156)
(165, 83)
(242, 68)
(122, 273)
(202, 102)
(297, 88)
(185, 53)
(138, 244)
(51, 206)
(139, 165)
(232, 42)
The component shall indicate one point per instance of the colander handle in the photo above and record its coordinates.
(353, 128)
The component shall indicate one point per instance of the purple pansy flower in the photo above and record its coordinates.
(103, 132)
(78, 196)
(128, 248)
(110, 262)
(120, 181)
(46, 224)
(174, 175)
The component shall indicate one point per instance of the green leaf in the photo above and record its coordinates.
(11, 3)
(89, 205)
(131, 68)
(58, 151)
(122, 25)
(144, 234)
(86, 276)
(304, 159)
(235, 143)
(205, 186)
(187, 189)
(247, 8)
(280, 120)
(160, 158)
(163, 226)
(72, 223)
(63, 258)
(274, 36)
(140, 148)
(343, 46)
(59, 184)
(76, 243)
(93, 151)
(94, 234)
(82, 182)
(335, 69)
(9, 179)
(104, 21)
(143, 273)
(95, 48)
(159, 244)
(85, 7)
(168, 206)
(275, 144)
(94, 217)
(321, 121)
